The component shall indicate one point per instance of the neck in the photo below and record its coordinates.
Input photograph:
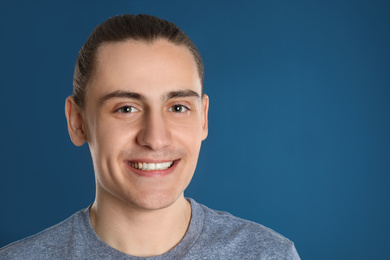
(140, 232)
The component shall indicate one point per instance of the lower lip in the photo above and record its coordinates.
(153, 173)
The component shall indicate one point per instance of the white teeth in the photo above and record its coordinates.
(151, 166)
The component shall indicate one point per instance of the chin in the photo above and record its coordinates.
(154, 201)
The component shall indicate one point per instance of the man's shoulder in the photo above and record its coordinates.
(225, 223)
(225, 231)
(46, 244)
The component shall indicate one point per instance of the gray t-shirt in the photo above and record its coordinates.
(211, 235)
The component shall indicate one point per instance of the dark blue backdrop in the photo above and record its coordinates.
(299, 118)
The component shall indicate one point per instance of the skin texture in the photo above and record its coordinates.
(144, 104)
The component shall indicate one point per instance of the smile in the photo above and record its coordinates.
(151, 166)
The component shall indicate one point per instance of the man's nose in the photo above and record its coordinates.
(155, 132)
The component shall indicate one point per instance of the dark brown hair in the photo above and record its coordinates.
(121, 28)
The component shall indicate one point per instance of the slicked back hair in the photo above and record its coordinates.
(120, 28)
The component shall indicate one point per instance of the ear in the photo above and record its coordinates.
(75, 122)
(205, 123)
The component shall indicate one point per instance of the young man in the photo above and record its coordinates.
(138, 102)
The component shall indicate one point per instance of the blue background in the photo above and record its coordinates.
(299, 119)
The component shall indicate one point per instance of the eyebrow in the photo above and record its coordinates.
(136, 96)
(120, 94)
(181, 93)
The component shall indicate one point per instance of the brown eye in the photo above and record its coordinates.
(178, 108)
(127, 109)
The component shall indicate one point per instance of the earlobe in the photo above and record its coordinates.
(75, 122)
(205, 102)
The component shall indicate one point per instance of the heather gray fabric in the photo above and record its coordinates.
(211, 235)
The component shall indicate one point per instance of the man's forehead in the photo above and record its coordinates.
(130, 46)
(139, 65)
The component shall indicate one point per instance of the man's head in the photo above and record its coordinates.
(143, 28)
(139, 103)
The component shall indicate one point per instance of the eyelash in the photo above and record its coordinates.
(181, 107)
(131, 109)
(124, 108)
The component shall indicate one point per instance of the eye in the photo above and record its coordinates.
(178, 109)
(127, 109)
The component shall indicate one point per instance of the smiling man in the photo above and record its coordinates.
(138, 102)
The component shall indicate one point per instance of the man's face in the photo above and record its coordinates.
(144, 120)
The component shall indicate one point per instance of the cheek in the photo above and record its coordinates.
(189, 134)
(111, 137)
